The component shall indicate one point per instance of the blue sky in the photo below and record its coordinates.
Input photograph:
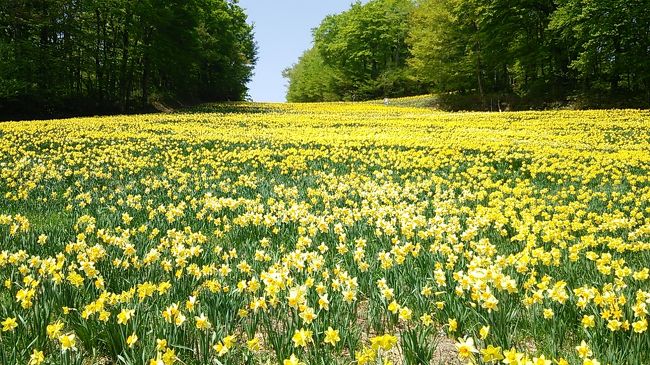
(283, 32)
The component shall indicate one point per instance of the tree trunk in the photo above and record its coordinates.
(98, 70)
(478, 72)
(43, 64)
(615, 77)
(146, 68)
(123, 67)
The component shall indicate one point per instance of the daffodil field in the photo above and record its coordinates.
(326, 234)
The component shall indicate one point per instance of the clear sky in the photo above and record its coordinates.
(283, 32)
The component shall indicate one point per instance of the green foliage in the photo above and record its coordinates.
(357, 55)
(119, 54)
(539, 51)
(482, 46)
(610, 41)
(440, 57)
(311, 79)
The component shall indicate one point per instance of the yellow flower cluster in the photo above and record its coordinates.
(326, 233)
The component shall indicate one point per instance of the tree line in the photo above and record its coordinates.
(546, 50)
(94, 56)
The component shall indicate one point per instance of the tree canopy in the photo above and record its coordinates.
(363, 54)
(92, 55)
(548, 49)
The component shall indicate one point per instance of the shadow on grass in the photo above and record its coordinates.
(230, 108)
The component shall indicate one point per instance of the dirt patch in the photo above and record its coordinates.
(161, 107)
(446, 352)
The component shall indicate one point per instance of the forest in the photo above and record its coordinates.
(71, 57)
(535, 52)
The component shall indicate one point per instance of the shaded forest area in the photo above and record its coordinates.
(481, 54)
(77, 57)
